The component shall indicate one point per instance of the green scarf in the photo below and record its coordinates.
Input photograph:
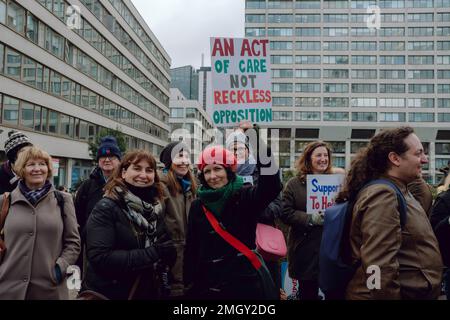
(215, 199)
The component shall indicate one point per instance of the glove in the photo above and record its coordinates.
(167, 252)
(316, 219)
(58, 274)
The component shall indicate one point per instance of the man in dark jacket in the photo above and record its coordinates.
(91, 191)
(440, 221)
(15, 142)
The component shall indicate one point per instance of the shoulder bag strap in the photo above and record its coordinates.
(238, 245)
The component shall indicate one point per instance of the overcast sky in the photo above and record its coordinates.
(184, 27)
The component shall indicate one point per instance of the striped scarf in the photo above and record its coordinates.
(34, 196)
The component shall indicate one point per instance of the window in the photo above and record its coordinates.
(335, 18)
(420, 45)
(421, 60)
(307, 102)
(420, 17)
(335, 46)
(13, 63)
(443, 45)
(392, 4)
(442, 148)
(335, 32)
(392, 17)
(335, 116)
(392, 32)
(54, 43)
(443, 17)
(307, 32)
(443, 103)
(32, 28)
(280, 45)
(307, 87)
(443, 59)
(282, 73)
(392, 74)
(420, 3)
(67, 125)
(364, 116)
(421, 74)
(282, 115)
(359, 17)
(364, 60)
(421, 103)
(10, 111)
(66, 88)
(420, 32)
(392, 45)
(29, 71)
(421, 88)
(283, 4)
(255, 4)
(442, 3)
(255, 32)
(364, 102)
(307, 18)
(279, 32)
(335, 87)
(444, 117)
(421, 117)
(363, 32)
(16, 17)
(362, 4)
(335, 4)
(307, 59)
(307, 116)
(392, 88)
(53, 121)
(307, 4)
(335, 59)
(55, 83)
(307, 73)
(307, 45)
(281, 59)
(356, 145)
(337, 146)
(364, 88)
(2, 57)
(59, 9)
(364, 46)
(443, 31)
(282, 87)
(335, 102)
(391, 60)
(2, 11)
(391, 103)
(335, 73)
(364, 74)
(392, 117)
(255, 18)
(282, 101)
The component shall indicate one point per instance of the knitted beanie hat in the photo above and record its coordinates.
(108, 147)
(217, 155)
(16, 141)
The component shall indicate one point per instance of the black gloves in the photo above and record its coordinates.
(167, 252)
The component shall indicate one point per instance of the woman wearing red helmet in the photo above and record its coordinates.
(213, 267)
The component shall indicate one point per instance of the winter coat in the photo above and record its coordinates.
(89, 193)
(409, 259)
(304, 239)
(6, 176)
(176, 217)
(117, 255)
(213, 269)
(38, 239)
(441, 225)
(422, 193)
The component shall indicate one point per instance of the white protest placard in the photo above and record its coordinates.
(322, 189)
(241, 81)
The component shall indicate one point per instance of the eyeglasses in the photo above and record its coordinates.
(110, 158)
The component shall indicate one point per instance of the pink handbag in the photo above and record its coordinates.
(270, 242)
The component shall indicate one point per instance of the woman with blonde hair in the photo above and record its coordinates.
(181, 186)
(40, 235)
(126, 238)
(305, 232)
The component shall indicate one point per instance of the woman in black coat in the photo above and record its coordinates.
(126, 238)
(213, 269)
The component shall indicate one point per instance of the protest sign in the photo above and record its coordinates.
(241, 81)
(322, 189)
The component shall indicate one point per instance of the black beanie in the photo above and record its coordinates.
(108, 147)
(174, 147)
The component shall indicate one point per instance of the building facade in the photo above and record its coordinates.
(186, 80)
(69, 68)
(339, 78)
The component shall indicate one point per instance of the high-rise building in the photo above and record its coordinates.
(340, 77)
(69, 68)
(186, 80)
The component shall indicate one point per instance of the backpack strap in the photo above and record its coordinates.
(60, 200)
(4, 210)
(234, 242)
(402, 207)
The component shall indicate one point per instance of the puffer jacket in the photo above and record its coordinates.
(408, 258)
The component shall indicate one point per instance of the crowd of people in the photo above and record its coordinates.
(139, 230)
